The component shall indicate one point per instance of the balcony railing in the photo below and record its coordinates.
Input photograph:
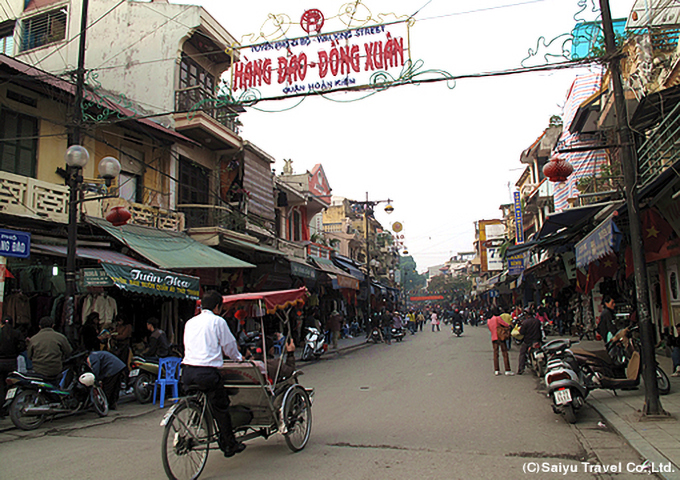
(196, 99)
(661, 149)
(198, 215)
(29, 197)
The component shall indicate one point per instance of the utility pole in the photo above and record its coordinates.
(629, 166)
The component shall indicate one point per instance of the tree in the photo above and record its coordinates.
(454, 289)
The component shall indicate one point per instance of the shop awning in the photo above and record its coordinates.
(132, 275)
(167, 249)
(355, 272)
(571, 218)
(329, 267)
(251, 246)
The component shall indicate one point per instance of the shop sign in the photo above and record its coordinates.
(519, 219)
(348, 282)
(95, 277)
(153, 282)
(15, 244)
(596, 245)
(321, 62)
(303, 271)
(516, 264)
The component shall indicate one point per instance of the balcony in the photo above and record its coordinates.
(204, 118)
(661, 149)
(28, 197)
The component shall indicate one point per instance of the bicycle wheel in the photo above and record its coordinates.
(297, 414)
(186, 442)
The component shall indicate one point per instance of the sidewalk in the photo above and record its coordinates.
(344, 345)
(655, 439)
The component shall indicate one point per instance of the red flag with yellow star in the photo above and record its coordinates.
(609, 265)
(655, 230)
(581, 280)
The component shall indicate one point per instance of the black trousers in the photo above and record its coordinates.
(209, 380)
(111, 387)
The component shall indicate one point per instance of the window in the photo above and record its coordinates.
(7, 38)
(295, 226)
(194, 183)
(191, 74)
(18, 143)
(44, 29)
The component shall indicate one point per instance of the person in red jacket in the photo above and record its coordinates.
(493, 323)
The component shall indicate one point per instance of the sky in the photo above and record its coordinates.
(446, 157)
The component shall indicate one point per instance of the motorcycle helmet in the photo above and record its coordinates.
(87, 379)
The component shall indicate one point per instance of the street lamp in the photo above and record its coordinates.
(368, 205)
(76, 158)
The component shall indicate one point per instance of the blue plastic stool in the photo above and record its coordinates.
(168, 375)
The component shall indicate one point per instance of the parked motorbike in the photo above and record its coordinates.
(398, 334)
(32, 400)
(375, 336)
(566, 381)
(315, 344)
(618, 367)
(143, 374)
(457, 329)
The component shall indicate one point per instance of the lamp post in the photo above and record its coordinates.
(76, 158)
(369, 204)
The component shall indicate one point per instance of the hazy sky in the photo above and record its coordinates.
(447, 157)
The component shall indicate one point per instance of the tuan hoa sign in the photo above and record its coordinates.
(321, 62)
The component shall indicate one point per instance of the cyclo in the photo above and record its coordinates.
(260, 406)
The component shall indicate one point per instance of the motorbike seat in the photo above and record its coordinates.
(601, 355)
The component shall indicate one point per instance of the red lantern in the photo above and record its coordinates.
(557, 170)
(118, 216)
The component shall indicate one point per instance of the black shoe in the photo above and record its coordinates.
(231, 451)
(520, 372)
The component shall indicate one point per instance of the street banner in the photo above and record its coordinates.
(426, 298)
(599, 243)
(516, 264)
(321, 62)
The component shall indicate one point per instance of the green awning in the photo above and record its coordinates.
(252, 246)
(167, 249)
(151, 281)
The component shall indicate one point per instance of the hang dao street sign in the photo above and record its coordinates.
(14, 243)
(322, 62)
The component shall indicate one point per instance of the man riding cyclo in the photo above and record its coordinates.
(206, 338)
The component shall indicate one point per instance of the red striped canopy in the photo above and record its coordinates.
(272, 301)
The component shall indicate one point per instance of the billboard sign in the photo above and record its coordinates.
(491, 235)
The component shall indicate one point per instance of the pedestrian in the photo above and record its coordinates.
(435, 321)
(158, 346)
(386, 323)
(335, 324)
(507, 318)
(607, 325)
(48, 349)
(412, 322)
(109, 370)
(89, 333)
(420, 318)
(531, 330)
(497, 344)
(12, 343)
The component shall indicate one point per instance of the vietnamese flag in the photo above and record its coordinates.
(594, 276)
(581, 280)
(609, 265)
(655, 230)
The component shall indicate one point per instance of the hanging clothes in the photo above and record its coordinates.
(18, 306)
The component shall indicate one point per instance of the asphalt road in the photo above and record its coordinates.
(429, 407)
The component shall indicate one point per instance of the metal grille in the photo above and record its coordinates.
(43, 29)
(661, 149)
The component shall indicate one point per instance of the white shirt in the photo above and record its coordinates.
(206, 336)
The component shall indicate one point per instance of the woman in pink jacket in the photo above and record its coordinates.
(493, 323)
